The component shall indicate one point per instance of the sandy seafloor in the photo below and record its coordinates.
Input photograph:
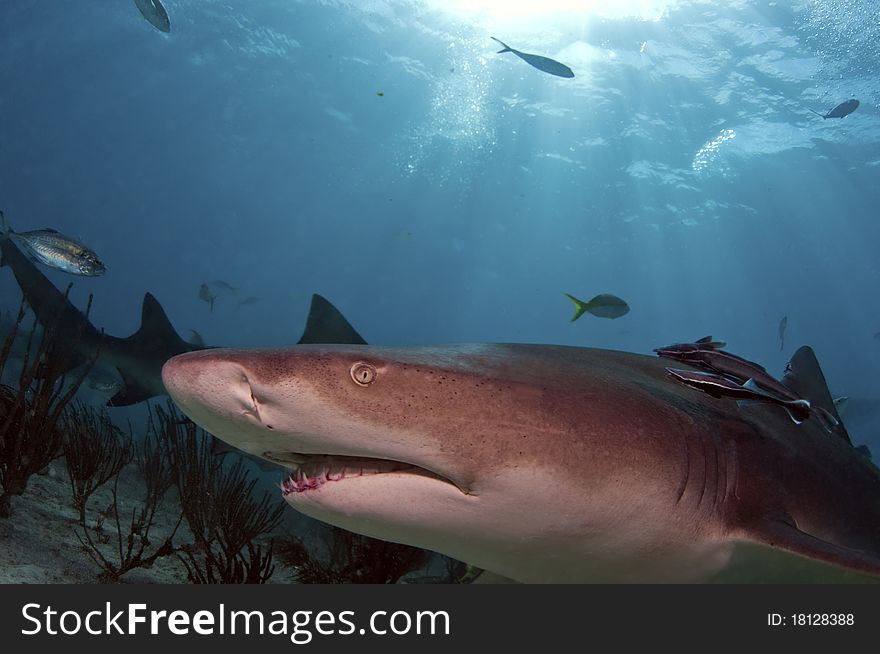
(38, 543)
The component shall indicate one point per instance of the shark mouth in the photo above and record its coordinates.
(312, 471)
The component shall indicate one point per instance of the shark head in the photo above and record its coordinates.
(509, 457)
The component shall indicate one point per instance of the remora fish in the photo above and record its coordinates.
(155, 13)
(841, 110)
(677, 350)
(544, 463)
(537, 61)
(719, 386)
(747, 374)
(55, 250)
(140, 357)
(603, 306)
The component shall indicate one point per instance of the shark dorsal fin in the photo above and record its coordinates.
(155, 326)
(803, 376)
(326, 324)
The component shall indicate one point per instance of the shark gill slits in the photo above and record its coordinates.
(363, 374)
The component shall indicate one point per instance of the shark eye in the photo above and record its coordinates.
(363, 374)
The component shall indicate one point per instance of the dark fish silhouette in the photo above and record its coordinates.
(206, 295)
(226, 286)
(155, 14)
(541, 63)
(841, 110)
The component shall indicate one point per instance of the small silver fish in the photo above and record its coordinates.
(155, 14)
(53, 249)
(843, 109)
(223, 285)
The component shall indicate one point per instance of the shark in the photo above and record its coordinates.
(138, 358)
(545, 463)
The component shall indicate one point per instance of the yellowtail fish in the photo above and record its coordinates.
(603, 306)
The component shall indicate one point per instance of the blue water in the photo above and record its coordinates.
(680, 169)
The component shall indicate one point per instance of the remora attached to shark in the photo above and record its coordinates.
(543, 463)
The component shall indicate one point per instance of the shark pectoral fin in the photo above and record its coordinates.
(486, 577)
(782, 535)
(131, 392)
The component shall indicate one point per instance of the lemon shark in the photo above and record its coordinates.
(543, 463)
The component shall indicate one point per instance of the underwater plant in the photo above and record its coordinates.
(30, 433)
(350, 558)
(95, 452)
(220, 508)
(132, 547)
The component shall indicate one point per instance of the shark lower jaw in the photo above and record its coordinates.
(312, 471)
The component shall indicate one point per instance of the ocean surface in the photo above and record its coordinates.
(382, 154)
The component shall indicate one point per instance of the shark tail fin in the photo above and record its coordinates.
(579, 306)
(326, 324)
(804, 378)
(506, 48)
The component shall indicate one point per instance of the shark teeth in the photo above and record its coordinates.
(314, 474)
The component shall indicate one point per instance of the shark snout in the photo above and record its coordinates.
(211, 389)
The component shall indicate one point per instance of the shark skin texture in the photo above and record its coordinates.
(544, 463)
